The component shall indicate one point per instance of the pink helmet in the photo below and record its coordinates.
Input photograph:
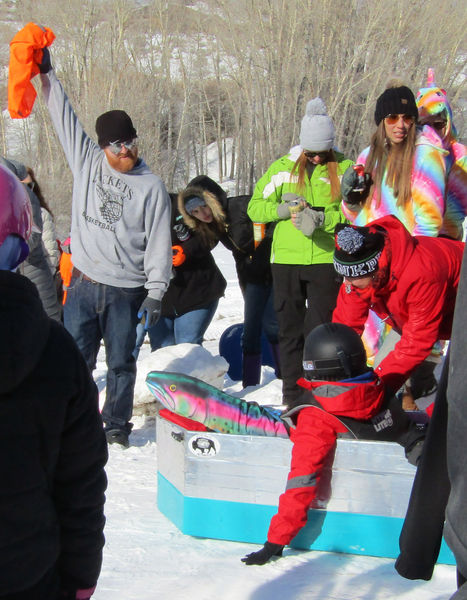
(15, 208)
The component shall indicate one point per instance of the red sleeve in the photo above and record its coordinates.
(351, 309)
(313, 438)
(419, 334)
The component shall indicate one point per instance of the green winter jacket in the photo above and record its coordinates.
(290, 246)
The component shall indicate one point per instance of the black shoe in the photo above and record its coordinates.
(117, 436)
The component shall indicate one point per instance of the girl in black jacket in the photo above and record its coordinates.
(208, 212)
(191, 299)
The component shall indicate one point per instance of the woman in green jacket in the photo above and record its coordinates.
(301, 191)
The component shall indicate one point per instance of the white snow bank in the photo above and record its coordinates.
(189, 359)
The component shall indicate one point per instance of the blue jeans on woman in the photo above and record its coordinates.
(94, 312)
(188, 328)
(259, 316)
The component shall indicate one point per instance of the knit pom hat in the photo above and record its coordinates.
(114, 126)
(395, 101)
(357, 250)
(317, 129)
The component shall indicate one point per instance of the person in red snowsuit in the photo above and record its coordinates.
(410, 282)
(341, 397)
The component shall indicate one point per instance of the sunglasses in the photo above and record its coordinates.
(393, 119)
(116, 147)
(311, 154)
(438, 125)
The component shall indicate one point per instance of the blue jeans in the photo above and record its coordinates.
(95, 311)
(259, 316)
(188, 328)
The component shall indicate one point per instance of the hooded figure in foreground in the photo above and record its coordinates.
(52, 444)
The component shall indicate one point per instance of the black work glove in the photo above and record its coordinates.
(45, 65)
(151, 309)
(355, 187)
(262, 556)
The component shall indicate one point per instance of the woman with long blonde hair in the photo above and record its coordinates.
(405, 176)
(404, 169)
(300, 192)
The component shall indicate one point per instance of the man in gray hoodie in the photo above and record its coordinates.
(120, 244)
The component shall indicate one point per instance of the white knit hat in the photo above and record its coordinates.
(317, 130)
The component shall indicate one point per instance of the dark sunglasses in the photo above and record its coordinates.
(116, 147)
(311, 154)
(438, 125)
(393, 119)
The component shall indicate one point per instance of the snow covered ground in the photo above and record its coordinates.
(146, 557)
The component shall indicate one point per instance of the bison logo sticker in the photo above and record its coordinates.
(201, 445)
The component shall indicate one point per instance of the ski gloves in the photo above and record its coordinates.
(308, 220)
(355, 187)
(262, 556)
(291, 203)
(304, 218)
(151, 309)
(178, 256)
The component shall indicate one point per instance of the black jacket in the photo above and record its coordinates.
(198, 281)
(253, 265)
(52, 448)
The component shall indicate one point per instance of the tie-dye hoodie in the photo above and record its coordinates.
(424, 214)
(432, 100)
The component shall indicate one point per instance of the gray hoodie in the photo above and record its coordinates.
(120, 227)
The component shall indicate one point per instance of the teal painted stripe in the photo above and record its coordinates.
(352, 533)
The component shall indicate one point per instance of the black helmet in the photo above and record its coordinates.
(332, 352)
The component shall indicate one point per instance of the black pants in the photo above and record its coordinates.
(304, 297)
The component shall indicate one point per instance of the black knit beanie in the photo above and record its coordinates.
(114, 126)
(395, 101)
(357, 250)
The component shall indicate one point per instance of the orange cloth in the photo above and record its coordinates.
(25, 58)
(66, 269)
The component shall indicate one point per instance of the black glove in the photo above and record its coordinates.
(355, 187)
(151, 309)
(262, 556)
(45, 65)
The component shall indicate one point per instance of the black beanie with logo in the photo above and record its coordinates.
(396, 101)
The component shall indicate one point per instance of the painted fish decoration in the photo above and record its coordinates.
(192, 398)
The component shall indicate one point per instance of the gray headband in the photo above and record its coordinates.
(193, 203)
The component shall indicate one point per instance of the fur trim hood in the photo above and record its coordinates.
(211, 201)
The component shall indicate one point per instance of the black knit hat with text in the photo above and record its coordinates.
(357, 250)
(396, 101)
(114, 126)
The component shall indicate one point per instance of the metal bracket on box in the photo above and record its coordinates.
(178, 436)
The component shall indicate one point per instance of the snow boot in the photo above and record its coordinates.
(251, 369)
